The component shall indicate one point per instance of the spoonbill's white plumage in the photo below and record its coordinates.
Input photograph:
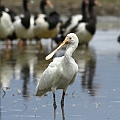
(61, 72)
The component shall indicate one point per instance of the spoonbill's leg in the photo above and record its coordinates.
(54, 101)
(62, 100)
(55, 106)
(63, 113)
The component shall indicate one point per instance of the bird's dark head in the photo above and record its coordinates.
(92, 3)
(46, 3)
(10, 12)
(3, 8)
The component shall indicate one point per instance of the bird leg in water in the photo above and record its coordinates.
(55, 106)
(62, 105)
(54, 113)
(54, 101)
(62, 100)
(63, 113)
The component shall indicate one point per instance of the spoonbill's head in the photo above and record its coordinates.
(71, 39)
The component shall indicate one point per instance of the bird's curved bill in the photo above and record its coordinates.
(60, 46)
(49, 3)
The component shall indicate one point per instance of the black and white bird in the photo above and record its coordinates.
(73, 20)
(6, 25)
(86, 30)
(61, 72)
(44, 3)
(47, 25)
(24, 24)
(84, 26)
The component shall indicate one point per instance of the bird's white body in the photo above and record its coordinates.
(41, 28)
(59, 75)
(21, 31)
(61, 72)
(83, 34)
(74, 21)
(6, 25)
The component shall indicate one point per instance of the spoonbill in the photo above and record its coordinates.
(61, 72)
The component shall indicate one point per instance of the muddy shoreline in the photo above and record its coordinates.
(66, 7)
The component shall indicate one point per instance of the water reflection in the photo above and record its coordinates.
(25, 76)
(86, 59)
(119, 43)
(26, 65)
(7, 64)
(21, 64)
(118, 39)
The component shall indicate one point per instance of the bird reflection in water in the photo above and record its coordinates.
(27, 74)
(88, 75)
(25, 77)
(17, 64)
(7, 63)
(87, 66)
(25, 65)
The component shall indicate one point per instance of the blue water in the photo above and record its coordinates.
(95, 94)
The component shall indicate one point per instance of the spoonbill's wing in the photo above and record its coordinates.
(49, 78)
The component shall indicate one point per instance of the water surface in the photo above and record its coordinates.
(95, 94)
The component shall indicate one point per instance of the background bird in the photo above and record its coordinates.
(6, 25)
(24, 25)
(47, 25)
(61, 72)
(44, 3)
(83, 25)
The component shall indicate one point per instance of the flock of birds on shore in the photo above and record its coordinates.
(44, 25)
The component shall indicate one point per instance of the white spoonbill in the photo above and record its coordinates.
(61, 72)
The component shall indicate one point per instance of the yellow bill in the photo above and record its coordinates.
(61, 45)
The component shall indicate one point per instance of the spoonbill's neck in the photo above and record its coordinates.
(69, 51)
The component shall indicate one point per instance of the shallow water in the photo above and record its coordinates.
(95, 94)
